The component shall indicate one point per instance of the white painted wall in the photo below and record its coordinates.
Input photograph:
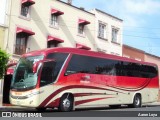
(39, 23)
(2, 11)
(108, 46)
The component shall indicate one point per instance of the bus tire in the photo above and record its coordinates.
(137, 101)
(66, 103)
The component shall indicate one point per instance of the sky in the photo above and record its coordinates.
(141, 20)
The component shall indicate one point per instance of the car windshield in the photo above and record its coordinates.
(24, 78)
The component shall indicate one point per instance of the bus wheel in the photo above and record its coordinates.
(66, 103)
(137, 102)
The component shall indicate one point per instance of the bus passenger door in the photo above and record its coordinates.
(46, 80)
(6, 89)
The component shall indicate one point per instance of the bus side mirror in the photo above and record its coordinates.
(35, 66)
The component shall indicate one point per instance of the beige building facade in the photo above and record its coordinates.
(2, 35)
(108, 33)
(35, 24)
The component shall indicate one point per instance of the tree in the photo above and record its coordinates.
(3, 62)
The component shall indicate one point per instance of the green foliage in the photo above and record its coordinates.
(3, 62)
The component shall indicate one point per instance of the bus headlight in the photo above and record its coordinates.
(34, 93)
(26, 96)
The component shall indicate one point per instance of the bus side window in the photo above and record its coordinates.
(91, 65)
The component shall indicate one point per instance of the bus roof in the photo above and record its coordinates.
(45, 52)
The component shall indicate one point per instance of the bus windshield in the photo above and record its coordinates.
(24, 78)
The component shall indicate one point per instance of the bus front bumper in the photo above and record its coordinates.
(30, 100)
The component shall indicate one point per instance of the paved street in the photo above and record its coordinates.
(95, 112)
(154, 110)
(149, 107)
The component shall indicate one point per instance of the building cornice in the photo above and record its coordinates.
(141, 51)
(133, 48)
(108, 14)
(152, 55)
(76, 7)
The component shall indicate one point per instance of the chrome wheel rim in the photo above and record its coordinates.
(66, 104)
(137, 101)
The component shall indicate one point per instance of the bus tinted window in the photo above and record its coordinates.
(93, 65)
(138, 70)
(135, 70)
(59, 58)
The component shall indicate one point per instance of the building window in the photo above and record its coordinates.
(51, 44)
(53, 41)
(115, 35)
(101, 50)
(25, 7)
(54, 17)
(102, 33)
(25, 11)
(80, 29)
(80, 46)
(54, 20)
(21, 40)
(113, 53)
(81, 25)
(21, 43)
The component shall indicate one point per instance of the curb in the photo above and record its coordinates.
(151, 104)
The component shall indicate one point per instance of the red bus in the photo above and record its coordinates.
(69, 78)
(10, 68)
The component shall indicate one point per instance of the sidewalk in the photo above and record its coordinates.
(152, 104)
